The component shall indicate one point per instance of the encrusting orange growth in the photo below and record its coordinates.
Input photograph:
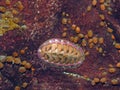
(110, 65)
(64, 20)
(102, 23)
(90, 40)
(75, 40)
(90, 33)
(101, 40)
(102, 7)
(7, 2)
(109, 12)
(96, 80)
(63, 13)
(100, 50)
(20, 5)
(33, 70)
(114, 81)
(92, 82)
(2, 9)
(22, 51)
(94, 2)
(77, 30)
(91, 45)
(84, 43)
(1, 65)
(112, 70)
(113, 37)
(17, 88)
(104, 73)
(80, 36)
(64, 34)
(23, 62)
(16, 20)
(9, 59)
(95, 40)
(83, 14)
(15, 12)
(118, 65)
(22, 69)
(73, 26)
(103, 80)
(102, 17)
(109, 30)
(101, 1)
(69, 21)
(87, 53)
(27, 65)
(65, 29)
(15, 54)
(117, 45)
(25, 84)
(71, 38)
(17, 60)
(89, 8)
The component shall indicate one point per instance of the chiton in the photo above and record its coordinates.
(61, 53)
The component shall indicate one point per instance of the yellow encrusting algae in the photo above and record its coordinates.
(8, 20)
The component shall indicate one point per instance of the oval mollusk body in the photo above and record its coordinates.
(61, 53)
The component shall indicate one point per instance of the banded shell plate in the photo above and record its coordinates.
(61, 53)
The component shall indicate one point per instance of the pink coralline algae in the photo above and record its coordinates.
(59, 44)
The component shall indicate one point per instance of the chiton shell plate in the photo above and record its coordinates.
(61, 53)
